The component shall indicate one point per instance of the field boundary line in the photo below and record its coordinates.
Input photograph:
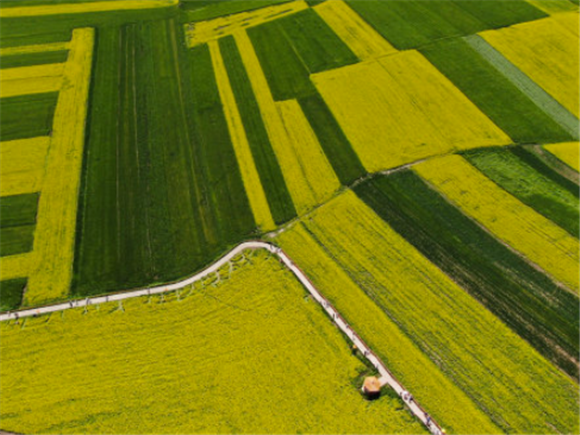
(386, 377)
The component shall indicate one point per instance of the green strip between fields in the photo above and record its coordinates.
(18, 210)
(524, 298)
(534, 92)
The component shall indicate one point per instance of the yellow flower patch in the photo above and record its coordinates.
(568, 152)
(401, 109)
(23, 163)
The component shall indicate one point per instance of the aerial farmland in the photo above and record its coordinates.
(289, 216)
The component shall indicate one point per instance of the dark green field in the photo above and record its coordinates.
(27, 116)
(162, 194)
(412, 24)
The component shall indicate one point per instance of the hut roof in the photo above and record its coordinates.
(372, 385)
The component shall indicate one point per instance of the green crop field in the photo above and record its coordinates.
(417, 160)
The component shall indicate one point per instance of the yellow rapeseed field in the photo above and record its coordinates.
(568, 152)
(38, 48)
(534, 236)
(400, 109)
(250, 176)
(16, 266)
(26, 80)
(504, 375)
(251, 355)
(547, 52)
(22, 168)
(55, 229)
(205, 31)
(362, 39)
(437, 393)
(84, 7)
(306, 170)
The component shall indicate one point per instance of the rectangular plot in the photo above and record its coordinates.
(525, 299)
(32, 72)
(249, 172)
(507, 106)
(23, 162)
(27, 116)
(16, 240)
(41, 85)
(17, 266)
(279, 199)
(401, 109)
(529, 186)
(531, 234)
(361, 38)
(336, 146)
(547, 53)
(11, 293)
(507, 378)
(18, 210)
(315, 42)
(34, 49)
(285, 72)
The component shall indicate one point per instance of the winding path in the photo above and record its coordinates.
(386, 377)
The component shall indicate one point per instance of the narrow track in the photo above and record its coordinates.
(386, 377)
